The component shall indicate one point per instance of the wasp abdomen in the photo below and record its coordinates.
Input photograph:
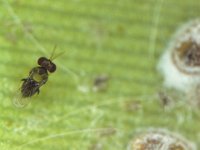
(29, 87)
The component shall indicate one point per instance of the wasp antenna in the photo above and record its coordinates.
(53, 56)
(57, 55)
(53, 52)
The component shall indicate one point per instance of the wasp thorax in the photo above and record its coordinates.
(46, 63)
(42, 71)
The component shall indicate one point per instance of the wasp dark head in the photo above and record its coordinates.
(47, 63)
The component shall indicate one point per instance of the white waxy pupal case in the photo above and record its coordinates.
(160, 139)
(180, 62)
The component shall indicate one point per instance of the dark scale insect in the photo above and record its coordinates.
(38, 76)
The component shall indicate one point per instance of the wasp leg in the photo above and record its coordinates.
(24, 79)
(38, 91)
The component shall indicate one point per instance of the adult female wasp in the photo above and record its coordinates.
(37, 77)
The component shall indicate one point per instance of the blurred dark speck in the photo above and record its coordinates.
(100, 82)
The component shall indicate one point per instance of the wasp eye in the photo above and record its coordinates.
(51, 68)
(41, 60)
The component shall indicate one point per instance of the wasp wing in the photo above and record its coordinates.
(28, 88)
(19, 101)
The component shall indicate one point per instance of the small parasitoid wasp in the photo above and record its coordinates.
(37, 77)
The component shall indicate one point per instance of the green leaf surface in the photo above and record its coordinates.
(122, 39)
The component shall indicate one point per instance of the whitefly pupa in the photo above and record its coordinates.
(180, 62)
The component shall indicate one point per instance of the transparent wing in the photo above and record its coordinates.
(19, 101)
(29, 89)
